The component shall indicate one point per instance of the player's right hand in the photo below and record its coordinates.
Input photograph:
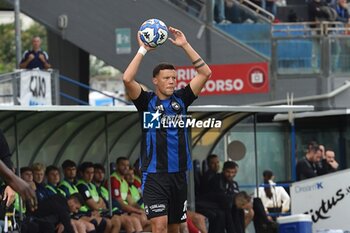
(31, 57)
(148, 48)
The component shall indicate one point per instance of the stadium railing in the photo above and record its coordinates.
(10, 89)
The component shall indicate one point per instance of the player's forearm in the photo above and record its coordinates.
(131, 70)
(24, 64)
(6, 173)
(197, 61)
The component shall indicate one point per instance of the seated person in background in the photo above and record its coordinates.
(244, 201)
(93, 202)
(52, 174)
(99, 180)
(342, 9)
(204, 203)
(56, 210)
(121, 195)
(213, 164)
(35, 58)
(38, 170)
(27, 175)
(328, 164)
(68, 188)
(128, 223)
(254, 210)
(135, 192)
(222, 192)
(274, 198)
(307, 166)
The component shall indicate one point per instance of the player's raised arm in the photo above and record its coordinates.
(203, 70)
(133, 88)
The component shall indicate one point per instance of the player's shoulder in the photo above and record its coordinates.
(26, 52)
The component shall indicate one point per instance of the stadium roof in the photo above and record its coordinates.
(51, 134)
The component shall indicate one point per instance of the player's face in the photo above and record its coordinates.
(165, 82)
(38, 176)
(129, 177)
(73, 205)
(88, 174)
(123, 167)
(214, 164)
(27, 176)
(230, 173)
(36, 42)
(53, 177)
(70, 172)
(330, 156)
(317, 156)
(99, 175)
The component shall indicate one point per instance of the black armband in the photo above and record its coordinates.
(196, 61)
(200, 65)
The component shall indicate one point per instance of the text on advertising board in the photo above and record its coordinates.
(229, 78)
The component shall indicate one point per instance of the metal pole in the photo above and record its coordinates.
(256, 157)
(292, 125)
(56, 77)
(108, 167)
(293, 156)
(18, 33)
(17, 164)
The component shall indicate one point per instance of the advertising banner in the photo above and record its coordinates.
(326, 198)
(35, 88)
(229, 78)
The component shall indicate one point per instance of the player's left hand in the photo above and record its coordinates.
(179, 37)
(25, 190)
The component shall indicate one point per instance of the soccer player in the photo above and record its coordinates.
(165, 152)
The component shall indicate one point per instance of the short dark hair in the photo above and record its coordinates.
(85, 165)
(121, 159)
(51, 168)
(162, 66)
(230, 165)
(77, 197)
(210, 157)
(99, 166)
(313, 146)
(24, 169)
(68, 163)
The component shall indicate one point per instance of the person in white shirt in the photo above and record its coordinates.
(274, 198)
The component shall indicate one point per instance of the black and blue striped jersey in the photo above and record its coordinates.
(165, 145)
